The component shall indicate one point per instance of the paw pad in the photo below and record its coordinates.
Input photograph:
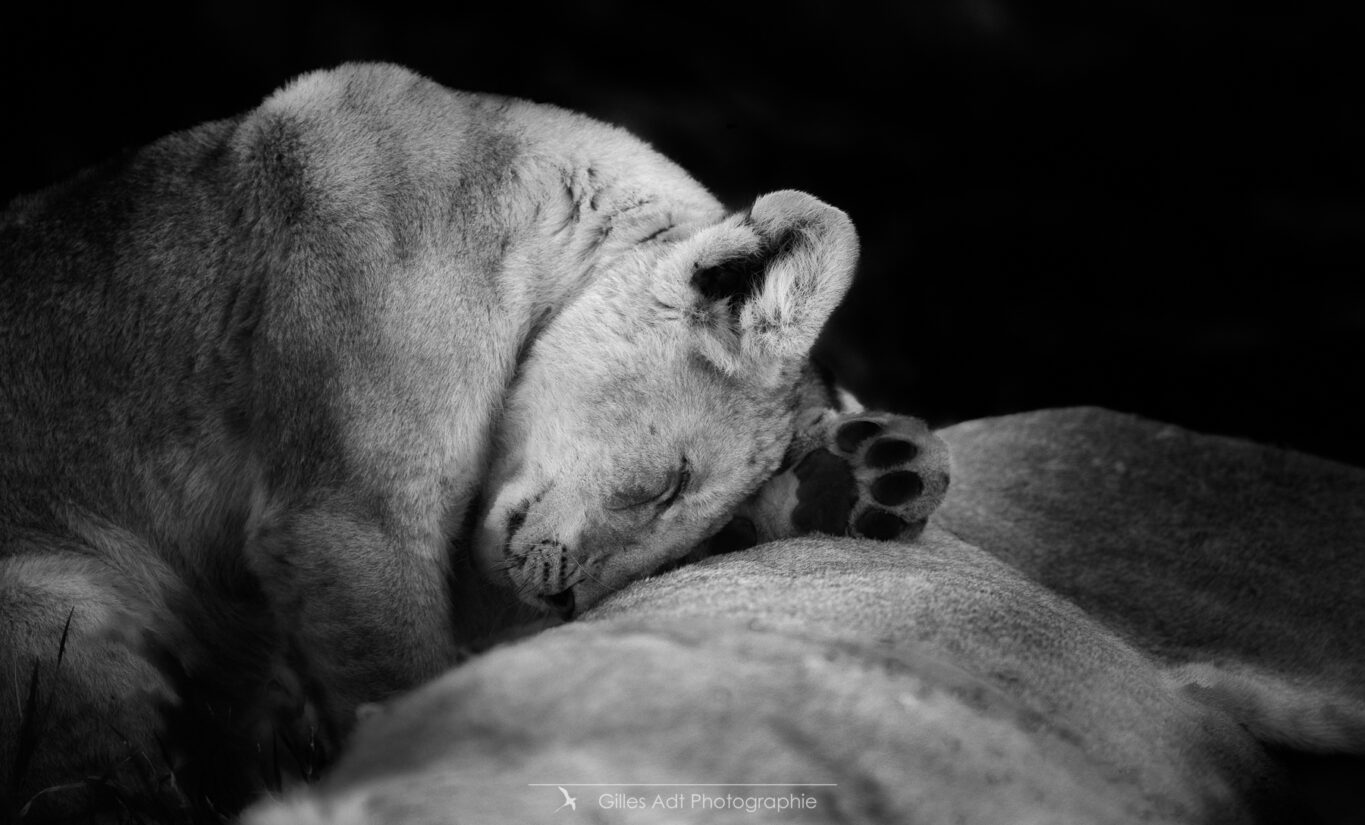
(894, 474)
(825, 493)
(868, 475)
(739, 534)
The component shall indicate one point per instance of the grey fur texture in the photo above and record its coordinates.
(252, 377)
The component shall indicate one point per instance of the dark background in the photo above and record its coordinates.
(1152, 207)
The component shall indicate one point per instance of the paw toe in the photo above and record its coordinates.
(855, 433)
(879, 524)
(890, 452)
(897, 488)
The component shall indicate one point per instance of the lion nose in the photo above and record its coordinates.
(561, 603)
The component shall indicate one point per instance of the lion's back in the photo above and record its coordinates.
(187, 292)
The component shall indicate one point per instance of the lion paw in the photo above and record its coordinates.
(868, 474)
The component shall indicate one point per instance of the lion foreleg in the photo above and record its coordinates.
(363, 604)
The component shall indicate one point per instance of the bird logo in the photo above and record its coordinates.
(570, 802)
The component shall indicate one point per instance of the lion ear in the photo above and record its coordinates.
(767, 287)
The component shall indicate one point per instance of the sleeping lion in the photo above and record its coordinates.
(257, 377)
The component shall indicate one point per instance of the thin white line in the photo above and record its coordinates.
(682, 784)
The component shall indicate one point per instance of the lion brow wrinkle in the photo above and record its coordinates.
(656, 233)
